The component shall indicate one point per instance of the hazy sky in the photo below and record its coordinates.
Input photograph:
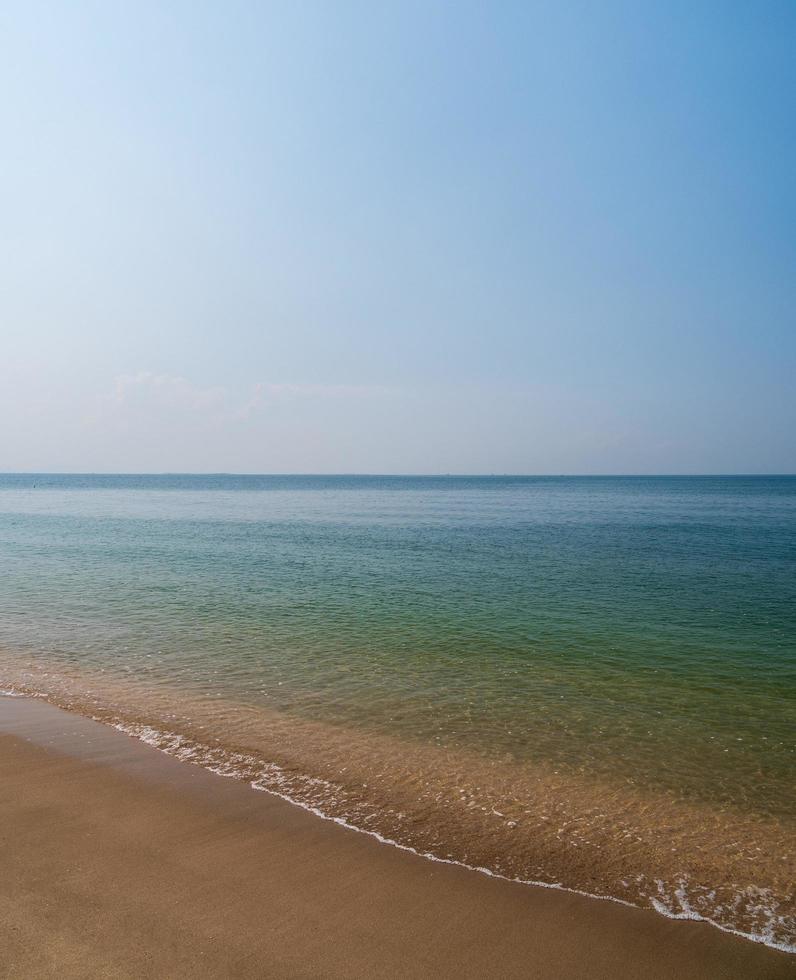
(398, 237)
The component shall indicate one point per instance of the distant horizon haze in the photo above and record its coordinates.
(396, 475)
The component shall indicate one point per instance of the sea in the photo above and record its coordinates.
(587, 683)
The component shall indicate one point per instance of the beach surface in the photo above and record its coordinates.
(119, 861)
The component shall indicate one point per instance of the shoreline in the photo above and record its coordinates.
(320, 769)
(263, 885)
(155, 741)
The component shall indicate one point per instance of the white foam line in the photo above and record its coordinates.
(149, 736)
(656, 904)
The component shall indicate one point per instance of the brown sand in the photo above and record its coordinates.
(117, 861)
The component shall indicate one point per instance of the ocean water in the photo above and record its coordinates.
(585, 682)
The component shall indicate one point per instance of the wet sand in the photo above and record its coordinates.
(118, 861)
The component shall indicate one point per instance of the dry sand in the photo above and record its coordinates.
(118, 861)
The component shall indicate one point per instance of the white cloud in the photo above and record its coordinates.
(167, 391)
(265, 394)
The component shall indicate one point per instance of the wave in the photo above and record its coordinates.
(274, 780)
(482, 834)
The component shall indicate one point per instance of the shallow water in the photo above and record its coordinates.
(589, 681)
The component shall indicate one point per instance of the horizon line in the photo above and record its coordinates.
(430, 475)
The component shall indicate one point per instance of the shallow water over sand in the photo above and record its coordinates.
(584, 681)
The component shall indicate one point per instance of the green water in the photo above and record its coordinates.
(620, 622)
(641, 630)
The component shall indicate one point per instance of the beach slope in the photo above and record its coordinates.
(118, 861)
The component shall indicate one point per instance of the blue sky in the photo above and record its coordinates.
(398, 237)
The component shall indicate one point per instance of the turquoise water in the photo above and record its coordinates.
(639, 633)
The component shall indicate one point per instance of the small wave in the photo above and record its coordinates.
(271, 778)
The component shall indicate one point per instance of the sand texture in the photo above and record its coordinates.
(118, 861)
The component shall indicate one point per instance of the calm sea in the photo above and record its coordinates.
(580, 681)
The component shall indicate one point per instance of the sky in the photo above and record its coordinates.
(398, 237)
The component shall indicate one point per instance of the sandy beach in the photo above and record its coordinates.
(118, 861)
